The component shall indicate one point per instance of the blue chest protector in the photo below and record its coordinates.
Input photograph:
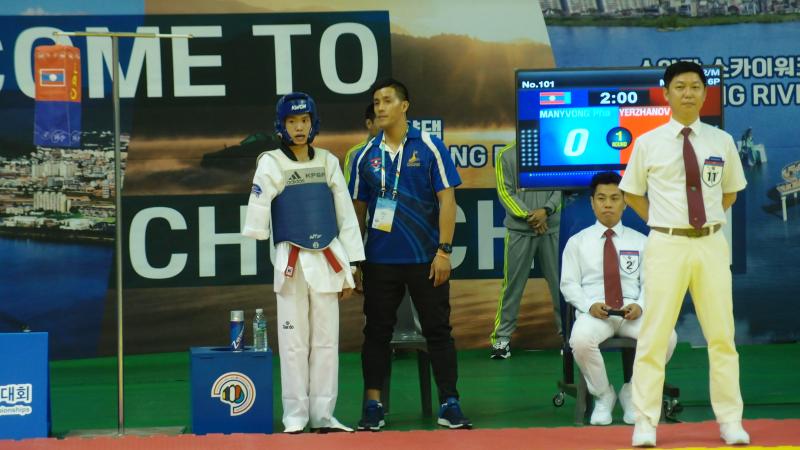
(304, 213)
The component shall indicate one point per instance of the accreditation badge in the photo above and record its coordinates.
(384, 214)
(712, 171)
(629, 261)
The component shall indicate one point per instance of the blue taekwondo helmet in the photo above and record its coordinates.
(291, 104)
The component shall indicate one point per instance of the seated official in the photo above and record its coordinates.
(601, 272)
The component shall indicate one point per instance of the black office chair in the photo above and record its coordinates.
(584, 402)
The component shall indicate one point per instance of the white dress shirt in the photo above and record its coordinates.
(582, 266)
(348, 246)
(656, 168)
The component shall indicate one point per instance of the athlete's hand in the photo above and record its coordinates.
(345, 294)
(440, 270)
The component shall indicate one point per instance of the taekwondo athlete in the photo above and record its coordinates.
(300, 201)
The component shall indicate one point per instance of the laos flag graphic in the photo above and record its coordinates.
(57, 115)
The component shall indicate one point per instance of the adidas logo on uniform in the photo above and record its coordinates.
(294, 178)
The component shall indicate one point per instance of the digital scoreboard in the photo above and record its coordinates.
(574, 123)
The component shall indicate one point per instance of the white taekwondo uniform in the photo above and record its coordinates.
(308, 309)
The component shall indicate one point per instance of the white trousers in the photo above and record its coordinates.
(589, 332)
(672, 264)
(308, 340)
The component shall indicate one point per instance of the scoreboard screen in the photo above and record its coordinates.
(574, 123)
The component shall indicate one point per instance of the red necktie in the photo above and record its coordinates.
(694, 190)
(611, 280)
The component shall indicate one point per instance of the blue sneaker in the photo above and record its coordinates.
(372, 419)
(450, 415)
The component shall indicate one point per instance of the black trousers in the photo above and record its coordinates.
(384, 287)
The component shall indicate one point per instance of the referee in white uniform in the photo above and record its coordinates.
(596, 259)
(691, 173)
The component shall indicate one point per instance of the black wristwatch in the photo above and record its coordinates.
(447, 248)
(548, 211)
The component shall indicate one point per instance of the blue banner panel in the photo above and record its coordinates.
(57, 124)
(24, 386)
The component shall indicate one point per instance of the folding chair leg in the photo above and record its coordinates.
(582, 399)
(568, 364)
(628, 356)
(424, 369)
(385, 392)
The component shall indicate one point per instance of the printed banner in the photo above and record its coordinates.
(57, 73)
(761, 95)
(197, 112)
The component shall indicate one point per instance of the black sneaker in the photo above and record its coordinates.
(501, 350)
(372, 419)
(450, 415)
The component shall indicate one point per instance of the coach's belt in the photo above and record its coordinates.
(688, 232)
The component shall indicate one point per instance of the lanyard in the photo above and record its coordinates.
(399, 159)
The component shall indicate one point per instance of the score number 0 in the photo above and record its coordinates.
(577, 140)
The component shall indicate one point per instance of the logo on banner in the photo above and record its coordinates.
(629, 261)
(236, 390)
(712, 171)
(11, 394)
(555, 98)
(74, 90)
(52, 78)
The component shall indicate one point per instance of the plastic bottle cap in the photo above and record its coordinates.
(237, 316)
(259, 311)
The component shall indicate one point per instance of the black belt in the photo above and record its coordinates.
(688, 232)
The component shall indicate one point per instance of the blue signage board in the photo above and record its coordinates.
(24, 386)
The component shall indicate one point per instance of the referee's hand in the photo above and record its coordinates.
(599, 310)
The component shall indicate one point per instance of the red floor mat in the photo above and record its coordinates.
(764, 433)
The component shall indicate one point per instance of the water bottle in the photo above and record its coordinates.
(260, 331)
(237, 330)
